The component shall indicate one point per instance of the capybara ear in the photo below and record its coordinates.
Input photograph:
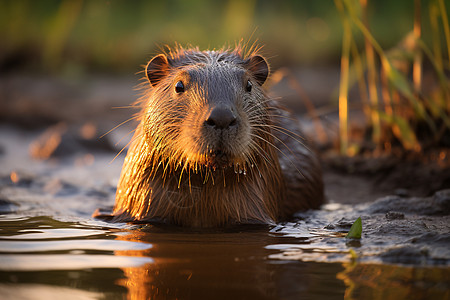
(157, 69)
(258, 66)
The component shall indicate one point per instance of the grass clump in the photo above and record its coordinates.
(404, 91)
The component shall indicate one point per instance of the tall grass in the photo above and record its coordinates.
(343, 87)
(410, 114)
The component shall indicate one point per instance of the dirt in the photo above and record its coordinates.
(359, 179)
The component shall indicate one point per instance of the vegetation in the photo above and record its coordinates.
(410, 111)
(356, 230)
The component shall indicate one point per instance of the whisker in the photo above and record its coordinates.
(117, 126)
(124, 147)
(131, 131)
(258, 149)
(288, 133)
(261, 152)
(278, 149)
(274, 116)
(125, 106)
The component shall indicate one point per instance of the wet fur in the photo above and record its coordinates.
(171, 174)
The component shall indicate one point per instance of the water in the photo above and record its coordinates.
(42, 258)
(50, 247)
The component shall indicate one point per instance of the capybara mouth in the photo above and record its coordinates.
(218, 159)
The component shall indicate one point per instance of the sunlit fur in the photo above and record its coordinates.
(171, 174)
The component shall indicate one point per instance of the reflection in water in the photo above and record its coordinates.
(40, 291)
(375, 281)
(91, 261)
(45, 262)
(224, 265)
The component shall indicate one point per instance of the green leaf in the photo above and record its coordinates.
(355, 230)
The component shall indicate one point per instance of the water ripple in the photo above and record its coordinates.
(67, 245)
(27, 262)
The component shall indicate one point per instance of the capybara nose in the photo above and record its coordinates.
(221, 118)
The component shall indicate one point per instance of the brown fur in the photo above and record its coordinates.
(183, 171)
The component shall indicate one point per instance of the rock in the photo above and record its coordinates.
(442, 199)
(438, 204)
(393, 215)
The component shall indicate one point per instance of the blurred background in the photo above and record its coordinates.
(73, 38)
(75, 61)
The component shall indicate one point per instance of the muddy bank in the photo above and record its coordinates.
(354, 180)
(402, 230)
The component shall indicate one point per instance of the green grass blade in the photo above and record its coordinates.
(445, 25)
(355, 230)
(435, 36)
(344, 80)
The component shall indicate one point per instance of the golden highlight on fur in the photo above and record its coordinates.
(211, 149)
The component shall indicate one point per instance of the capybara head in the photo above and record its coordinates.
(207, 109)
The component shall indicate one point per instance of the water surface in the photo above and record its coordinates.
(51, 248)
(41, 257)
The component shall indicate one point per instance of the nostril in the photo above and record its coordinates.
(210, 122)
(221, 118)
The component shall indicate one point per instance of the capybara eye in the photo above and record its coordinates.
(248, 88)
(179, 87)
